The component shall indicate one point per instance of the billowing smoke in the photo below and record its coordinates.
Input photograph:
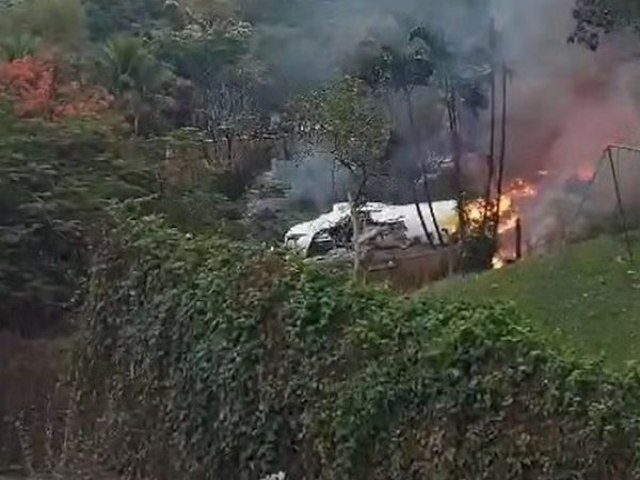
(321, 40)
(566, 103)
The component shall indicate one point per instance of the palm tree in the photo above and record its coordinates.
(17, 46)
(134, 74)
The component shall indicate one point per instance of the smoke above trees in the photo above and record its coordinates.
(566, 102)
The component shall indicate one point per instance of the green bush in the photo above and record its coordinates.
(54, 181)
(209, 359)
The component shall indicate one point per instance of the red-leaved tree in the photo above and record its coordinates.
(32, 84)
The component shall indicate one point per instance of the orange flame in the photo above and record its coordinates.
(517, 190)
(585, 173)
(478, 210)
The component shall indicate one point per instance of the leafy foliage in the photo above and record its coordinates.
(59, 24)
(135, 75)
(219, 360)
(201, 52)
(351, 123)
(130, 66)
(454, 69)
(18, 46)
(108, 18)
(54, 179)
(31, 83)
(394, 69)
(215, 57)
(595, 18)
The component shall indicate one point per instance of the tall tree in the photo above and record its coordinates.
(134, 74)
(215, 57)
(352, 124)
(503, 147)
(491, 156)
(394, 70)
(460, 77)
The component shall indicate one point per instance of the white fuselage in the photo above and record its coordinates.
(300, 236)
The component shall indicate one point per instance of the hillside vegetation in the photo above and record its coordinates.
(589, 294)
(152, 329)
(218, 360)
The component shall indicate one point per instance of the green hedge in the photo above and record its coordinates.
(212, 360)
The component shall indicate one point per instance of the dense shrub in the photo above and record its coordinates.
(54, 180)
(209, 359)
(221, 361)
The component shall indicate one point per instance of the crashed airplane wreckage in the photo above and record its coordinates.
(392, 242)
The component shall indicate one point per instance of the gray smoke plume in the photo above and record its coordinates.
(566, 104)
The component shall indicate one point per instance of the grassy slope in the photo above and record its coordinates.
(588, 294)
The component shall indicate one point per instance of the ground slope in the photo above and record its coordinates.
(588, 293)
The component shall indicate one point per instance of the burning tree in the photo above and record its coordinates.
(429, 61)
(461, 78)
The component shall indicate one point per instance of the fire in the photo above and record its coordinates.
(478, 210)
(585, 173)
(498, 262)
(519, 189)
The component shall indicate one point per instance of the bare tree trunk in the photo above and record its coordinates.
(52, 92)
(428, 236)
(355, 223)
(412, 120)
(492, 133)
(427, 191)
(456, 147)
(360, 192)
(333, 180)
(503, 147)
(389, 104)
(136, 124)
(417, 144)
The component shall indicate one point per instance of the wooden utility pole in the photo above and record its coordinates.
(491, 157)
(503, 146)
(518, 239)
